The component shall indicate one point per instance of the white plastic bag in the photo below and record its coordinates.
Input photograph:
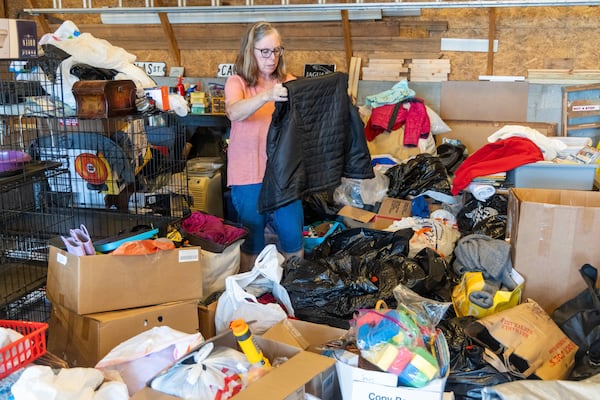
(241, 291)
(140, 358)
(213, 372)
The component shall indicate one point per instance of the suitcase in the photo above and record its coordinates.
(103, 99)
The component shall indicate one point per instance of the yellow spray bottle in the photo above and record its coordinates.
(244, 337)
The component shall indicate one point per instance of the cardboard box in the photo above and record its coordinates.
(18, 39)
(289, 381)
(474, 133)
(355, 383)
(390, 210)
(83, 340)
(362, 384)
(552, 234)
(206, 319)
(302, 334)
(106, 282)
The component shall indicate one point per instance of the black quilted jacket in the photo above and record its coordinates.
(315, 139)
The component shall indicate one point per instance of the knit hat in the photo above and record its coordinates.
(491, 257)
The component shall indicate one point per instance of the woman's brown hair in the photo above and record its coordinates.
(245, 63)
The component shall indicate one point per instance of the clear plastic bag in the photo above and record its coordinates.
(392, 340)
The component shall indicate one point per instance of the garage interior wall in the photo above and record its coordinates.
(528, 38)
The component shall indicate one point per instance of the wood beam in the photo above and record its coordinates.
(171, 40)
(347, 37)
(491, 38)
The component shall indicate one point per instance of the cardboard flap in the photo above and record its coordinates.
(357, 214)
(293, 374)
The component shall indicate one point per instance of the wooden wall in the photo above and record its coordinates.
(529, 38)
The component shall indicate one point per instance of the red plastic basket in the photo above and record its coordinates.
(25, 350)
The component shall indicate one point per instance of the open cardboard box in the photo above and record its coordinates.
(106, 282)
(302, 372)
(390, 210)
(355, 383)
(552, 233)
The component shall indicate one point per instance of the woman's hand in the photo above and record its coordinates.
(279, 92)
(244, 108)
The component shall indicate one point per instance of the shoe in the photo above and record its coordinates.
(83, 237)
(74, 246)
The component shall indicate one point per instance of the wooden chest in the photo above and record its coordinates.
(102, 99)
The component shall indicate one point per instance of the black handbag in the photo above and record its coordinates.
(579, 318)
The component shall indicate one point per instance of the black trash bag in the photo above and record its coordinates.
(426, 273)
(451, 155)
(469, 372)
(320, 206)
(354, 269)
(362, 240)
(87, 72)
(419, 174)
(487, 217)
(579, 319)
(50, 60)
(493, 226)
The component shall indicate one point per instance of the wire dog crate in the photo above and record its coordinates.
(58, 171)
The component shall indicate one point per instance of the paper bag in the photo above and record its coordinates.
(525, 342)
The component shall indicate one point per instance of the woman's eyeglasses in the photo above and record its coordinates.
(266, 53)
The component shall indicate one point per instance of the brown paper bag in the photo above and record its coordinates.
(525, 342)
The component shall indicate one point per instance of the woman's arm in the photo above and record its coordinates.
(239, 108)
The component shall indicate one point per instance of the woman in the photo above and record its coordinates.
(250, 96)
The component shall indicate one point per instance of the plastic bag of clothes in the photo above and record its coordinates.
(484, 217)
(417, 175)
(242, 291)
(212, 372)
(355, 268)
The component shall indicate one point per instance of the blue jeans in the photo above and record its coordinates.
(288, 221)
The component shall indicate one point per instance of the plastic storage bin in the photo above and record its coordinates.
(21, 352)
(573, 144)
(545, 175)
(311, 242)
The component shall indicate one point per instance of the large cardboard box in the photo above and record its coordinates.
(355, 383)
(474, 133)
(106, 282)
(83, 340)
(289, 381)
(18, 39)
(552, 234)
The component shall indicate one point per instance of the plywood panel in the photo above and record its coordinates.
(485, 101)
